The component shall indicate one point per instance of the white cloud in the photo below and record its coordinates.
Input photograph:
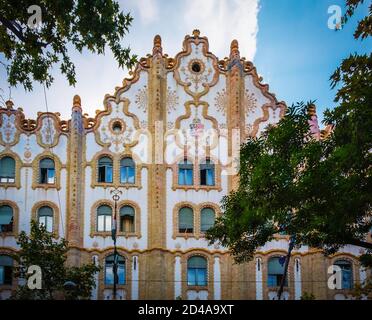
(148, 10)
(224, 20)
(220, 20)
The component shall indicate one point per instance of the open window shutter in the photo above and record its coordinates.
(186, 218)
(47, 163)
(45, 212)
(6, 214)
(127, 211)
(207, 219)
(7, 167)
(127, 162)
(197, 262)
(6, 261)
(275, 267)
(105, 161)
(105, 210)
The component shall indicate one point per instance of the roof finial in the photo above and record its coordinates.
(312, 110)
(234, 50)
(76, 102)
(9, 104)
(196, 33)
(157, 49)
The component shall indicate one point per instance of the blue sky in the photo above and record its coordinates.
(297, 52)
(288, 40)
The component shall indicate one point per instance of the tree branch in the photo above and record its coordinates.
(18, 33)
(360, 243)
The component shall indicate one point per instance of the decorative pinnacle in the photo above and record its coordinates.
(157, 41)
(157, 49)
(312, 110)
(196, 33)
(234, 49)
(9, 104)
(76, 102)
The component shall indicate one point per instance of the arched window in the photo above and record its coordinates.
(105, 169)
(127, 170)
(186, 220)
(7, 170)
(6, 218)
(206, 219)
(207, 173)
(47, 171)
(109, 270)
(104, 216)
(6, 270)
(127, 219)
(276, 271)
(45, 217)
(185, 173)
(346, 273)
(197, 271)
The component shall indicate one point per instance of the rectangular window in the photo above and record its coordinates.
(196, 277)
(101, 223)
(127, 175)
(108, 223)
(43, 175)
(191, 277)
(121, 274)
(275, 280)
(47, 176)
(109, 174)
(109, 275)
(51, 176)
(47, 221)
(210, 177)
(101, 174)
(105, 174)
(203, 177)
(2, 276)
(5, 275)
(201, 277)
(207, 177)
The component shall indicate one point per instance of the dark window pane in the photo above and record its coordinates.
(101, 174)
(43, 175)
(203, 177)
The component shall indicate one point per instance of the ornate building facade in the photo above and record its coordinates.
(168, 140)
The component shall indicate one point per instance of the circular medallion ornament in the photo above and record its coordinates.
(196, 66)
(117, 126)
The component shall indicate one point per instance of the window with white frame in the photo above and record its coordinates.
(207, 218)
(6, 218)
(6, 270)
(105, 169)
(197, 271)
(109, 269)
(7, 170)
(186, 220)
(185, 173)
(127, 216)
(45, 217)
(127, 170)
(104, 217)
(47, 171)
(346, 273)
(275, 272)
(207, 173)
